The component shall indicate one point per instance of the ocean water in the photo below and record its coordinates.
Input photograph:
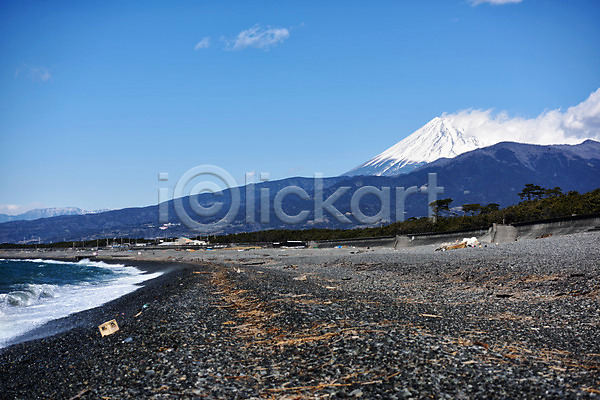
(33, 292)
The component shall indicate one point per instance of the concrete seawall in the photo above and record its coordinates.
(386, 241)
(494, 234)
(557, 226)
(437, 238)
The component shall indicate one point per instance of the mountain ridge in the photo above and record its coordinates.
(587, 150)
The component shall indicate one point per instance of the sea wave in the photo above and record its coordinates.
(27, 295)
(29, 305)
(84, 261)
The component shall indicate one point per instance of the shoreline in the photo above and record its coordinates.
(87, 318)
(518, 320)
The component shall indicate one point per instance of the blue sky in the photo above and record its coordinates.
(97, 98)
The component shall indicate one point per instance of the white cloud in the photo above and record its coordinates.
(493, 2)
(261, 38)
(36, 74)
(203, 44)
(572, 126)
(14, 209)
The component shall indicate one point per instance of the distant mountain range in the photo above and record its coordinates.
(47, 213)
(494, 174)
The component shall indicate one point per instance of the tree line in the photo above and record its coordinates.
(537, 203)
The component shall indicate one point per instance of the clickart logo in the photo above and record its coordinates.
(207, 198)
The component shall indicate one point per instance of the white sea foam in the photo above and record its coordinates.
(84, 261)
(31, 305)
(27, 295)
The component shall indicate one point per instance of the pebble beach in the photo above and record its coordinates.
(508, 321)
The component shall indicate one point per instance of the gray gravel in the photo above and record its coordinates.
(518, 320)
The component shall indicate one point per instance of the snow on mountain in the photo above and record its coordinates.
(437, 139)
(46, 213)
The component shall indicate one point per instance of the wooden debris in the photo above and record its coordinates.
(590, 390)
(430, 316)
(108, 328)
(478, 343)
(80, 394)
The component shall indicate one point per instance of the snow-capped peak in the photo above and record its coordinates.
(47, 213)
(437, 139)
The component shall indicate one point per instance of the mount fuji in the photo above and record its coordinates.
(437, 139)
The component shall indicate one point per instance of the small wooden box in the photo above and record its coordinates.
(108, 328)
